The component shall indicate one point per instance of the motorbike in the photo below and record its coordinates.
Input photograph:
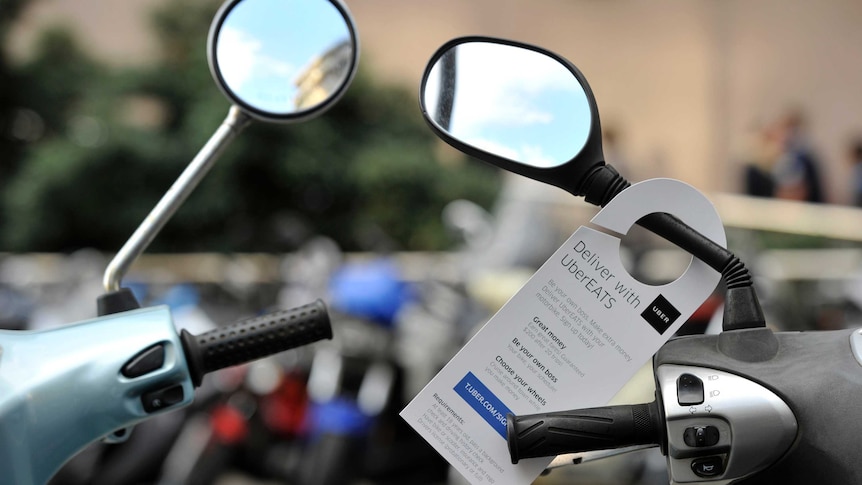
(66, 387)
(746, 406)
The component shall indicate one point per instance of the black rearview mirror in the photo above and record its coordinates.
(283, 60)
(531, 112)
(275, 60)
(516, 106)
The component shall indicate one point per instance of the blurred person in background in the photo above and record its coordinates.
(637, 168)
(615, 153)
(855, 157)
(759, 159)
(797, 171)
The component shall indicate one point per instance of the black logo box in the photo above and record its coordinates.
(660, 314)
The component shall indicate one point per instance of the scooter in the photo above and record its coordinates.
(749, 405)
(61, 389)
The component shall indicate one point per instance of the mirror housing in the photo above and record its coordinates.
(283, 60)
(570, 169)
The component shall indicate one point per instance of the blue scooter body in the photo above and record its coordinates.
(63, 388)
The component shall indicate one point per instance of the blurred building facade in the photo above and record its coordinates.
(686, 81)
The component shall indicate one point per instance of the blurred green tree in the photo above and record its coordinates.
(15, 123)
(365, 173)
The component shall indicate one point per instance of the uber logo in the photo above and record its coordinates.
(660, 314)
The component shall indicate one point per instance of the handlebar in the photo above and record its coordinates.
(255, 338)
(735, 407)
(601, 428)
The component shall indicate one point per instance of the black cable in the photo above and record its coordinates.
(742, 308)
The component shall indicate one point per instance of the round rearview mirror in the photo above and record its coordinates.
(513, 105)
(283, 60)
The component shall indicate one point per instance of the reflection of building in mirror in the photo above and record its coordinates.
(323, 76)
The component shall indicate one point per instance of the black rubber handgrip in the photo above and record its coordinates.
(580, 430)
(255, 338)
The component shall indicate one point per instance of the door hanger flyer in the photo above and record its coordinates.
(571, 337)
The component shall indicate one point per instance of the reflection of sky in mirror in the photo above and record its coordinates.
(516, 103)
(265, 45)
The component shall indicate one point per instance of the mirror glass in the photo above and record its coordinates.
(509, 101)
(282, 57)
